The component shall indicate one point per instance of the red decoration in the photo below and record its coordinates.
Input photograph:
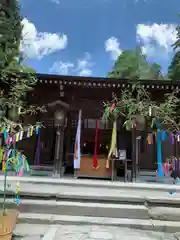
(95, 160)
(112, 107)
(134, 123)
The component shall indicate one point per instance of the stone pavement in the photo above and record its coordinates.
(84, 232)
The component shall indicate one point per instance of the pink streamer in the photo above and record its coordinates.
(172, 138)
(163, 168)
(7, 141)
(156, 175)
(21, 171)
(167, 168)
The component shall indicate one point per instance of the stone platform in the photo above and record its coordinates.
(84, 232)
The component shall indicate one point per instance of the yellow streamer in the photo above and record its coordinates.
(113, 144)
(1, 154)
(2, 129)
(3, 166)
(17, 136)
(31, 130)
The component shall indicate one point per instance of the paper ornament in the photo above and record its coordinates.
(21, 135)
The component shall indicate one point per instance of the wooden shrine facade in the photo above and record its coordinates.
(87, 94)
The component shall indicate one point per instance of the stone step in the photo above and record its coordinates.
(81, 209)
(93, 195)
(52, 219)
(92, 183)
(97, 209)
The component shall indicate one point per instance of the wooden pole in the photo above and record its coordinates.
(133, 174)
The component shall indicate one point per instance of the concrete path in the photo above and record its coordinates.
(83, 232)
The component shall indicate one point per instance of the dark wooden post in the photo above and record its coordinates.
(133, 174)
(57, 150)
(61, 153)
(59, 121)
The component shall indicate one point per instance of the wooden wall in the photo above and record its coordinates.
(91, 102)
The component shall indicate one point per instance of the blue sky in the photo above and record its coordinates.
(84, 37)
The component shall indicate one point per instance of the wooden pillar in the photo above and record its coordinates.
(58, 156)
(56, 153)
(133, 174)
(68, 149)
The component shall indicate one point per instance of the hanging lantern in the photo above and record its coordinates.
(3, 108)
(13, 114)
(140, 122)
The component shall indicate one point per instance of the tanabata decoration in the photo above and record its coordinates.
(113, 144)
(18, 136)
(150, 138)
(111, 109)
(159, 152)
(172, 138)
(150, 111)
(17, 197)
(166, 168)
(95, 160)
(164, 136)
(11, 158)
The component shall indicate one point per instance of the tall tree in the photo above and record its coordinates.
(174, 67)
(16, 80)
(10, 32)
(19, 78)
(132, 64)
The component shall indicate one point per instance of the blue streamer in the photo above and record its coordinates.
(5, 134)
(13, 154)
(164, 136)
(159, 154)
(17, 200)
(19, 163)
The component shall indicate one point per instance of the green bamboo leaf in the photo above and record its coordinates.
(153, 122)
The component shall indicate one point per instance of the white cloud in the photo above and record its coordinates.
(112, 46)
(139, 1)
(56, 1)
(38, 44)
(156, 38)
(62, 67)
(83, 67)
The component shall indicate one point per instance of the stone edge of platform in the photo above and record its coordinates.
(93, 183)
(152, 225)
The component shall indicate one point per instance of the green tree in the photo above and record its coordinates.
(10, 32)
(132, 64)
(174, 67)
(16, 79)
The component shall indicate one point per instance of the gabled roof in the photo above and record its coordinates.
(97, 82)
